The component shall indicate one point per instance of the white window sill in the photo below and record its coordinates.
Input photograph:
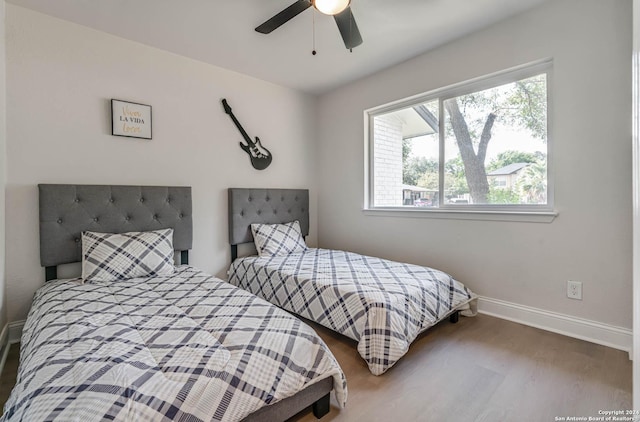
(483, 215)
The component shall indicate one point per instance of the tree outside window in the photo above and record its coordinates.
(490, 149)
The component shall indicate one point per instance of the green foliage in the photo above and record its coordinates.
(406, 150)
(455, 167)
(424, 172)
(532, 184)
(502, 196)
(527, 106)
(414, 168)
(455, 181)
(429, 180)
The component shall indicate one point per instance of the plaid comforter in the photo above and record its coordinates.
(184, 347)
(382, 304)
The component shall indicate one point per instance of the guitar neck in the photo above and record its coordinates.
(241, 129)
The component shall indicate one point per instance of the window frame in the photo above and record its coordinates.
(528, 212)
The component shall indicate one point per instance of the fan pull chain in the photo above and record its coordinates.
(313, 52)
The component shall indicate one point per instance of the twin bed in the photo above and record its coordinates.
(138, 339)
(174, 345)
(381, 304)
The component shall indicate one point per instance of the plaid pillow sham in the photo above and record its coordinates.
(278, 239)
(111, 257)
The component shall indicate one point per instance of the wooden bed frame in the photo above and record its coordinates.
(68, 210)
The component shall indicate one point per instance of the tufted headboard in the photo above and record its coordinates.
(270, 206)
(68, 210)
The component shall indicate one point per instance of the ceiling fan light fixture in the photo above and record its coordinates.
(331, 7)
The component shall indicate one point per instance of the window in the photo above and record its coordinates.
(476, 146)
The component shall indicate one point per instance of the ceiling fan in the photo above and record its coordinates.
(339, 9)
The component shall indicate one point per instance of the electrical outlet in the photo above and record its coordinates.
(574, 290)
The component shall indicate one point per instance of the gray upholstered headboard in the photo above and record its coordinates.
(270, 206)
(68, 210)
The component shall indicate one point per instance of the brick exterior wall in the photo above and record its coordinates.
(387, 161)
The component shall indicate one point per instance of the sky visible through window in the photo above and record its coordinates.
(504, 139)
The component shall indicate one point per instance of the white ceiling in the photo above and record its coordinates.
(221, 32)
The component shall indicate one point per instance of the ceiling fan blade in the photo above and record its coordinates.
(348, 28)
(283, 17)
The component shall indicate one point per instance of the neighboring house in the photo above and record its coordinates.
(505, 177)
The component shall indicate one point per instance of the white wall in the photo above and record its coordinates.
(60, 77)
(3, 138)
(523, 263)
(635, 77)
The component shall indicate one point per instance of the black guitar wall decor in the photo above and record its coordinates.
(259, 155)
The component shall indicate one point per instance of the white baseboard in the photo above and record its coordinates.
(583, 329)
(11, 334)
(15, 331)
(4, 346)
(4, 336)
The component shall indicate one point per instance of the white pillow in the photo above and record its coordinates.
(110, 257)
(278, 239)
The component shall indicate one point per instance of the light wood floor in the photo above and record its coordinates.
(481, 369)
(9, 372)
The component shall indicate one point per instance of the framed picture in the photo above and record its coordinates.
(130, 119)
